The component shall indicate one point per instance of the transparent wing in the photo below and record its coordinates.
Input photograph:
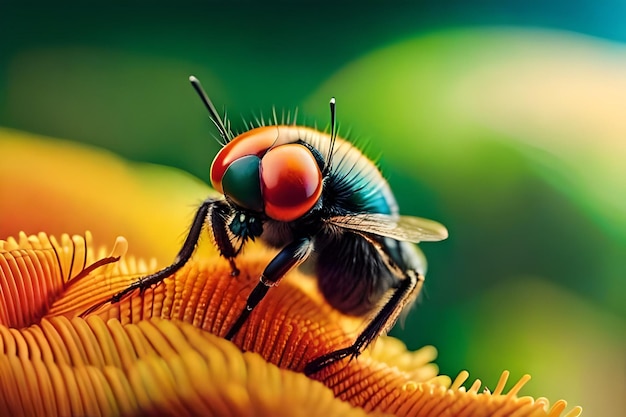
(406, 228)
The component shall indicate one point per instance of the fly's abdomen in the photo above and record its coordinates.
(352, 274)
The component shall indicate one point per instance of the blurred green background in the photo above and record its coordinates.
(503, 120)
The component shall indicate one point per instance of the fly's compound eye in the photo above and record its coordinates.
(242, 184)
(254, 142)
(291, 182)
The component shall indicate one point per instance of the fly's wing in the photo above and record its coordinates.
(405, 228)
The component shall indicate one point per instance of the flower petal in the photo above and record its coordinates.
(155, 367)
(157, 352)
(37, 269)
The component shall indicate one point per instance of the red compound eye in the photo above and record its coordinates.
(252, 142)
(291, 182)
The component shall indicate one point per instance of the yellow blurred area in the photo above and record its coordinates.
(63, 187)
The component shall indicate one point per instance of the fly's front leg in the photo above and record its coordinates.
(403, 295)
(288, 258)
(181, 259)
(219, 215)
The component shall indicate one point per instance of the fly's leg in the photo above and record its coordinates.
(207, 208)
(288, 258)
(404, 294)
(219, 214)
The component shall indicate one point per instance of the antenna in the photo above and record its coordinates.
(333, 134)
(213, 114)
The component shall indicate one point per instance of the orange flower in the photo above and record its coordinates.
(160, 353)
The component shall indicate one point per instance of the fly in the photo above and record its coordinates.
(303, 191)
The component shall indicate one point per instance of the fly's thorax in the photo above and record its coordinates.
(277, 234)
(354, 183)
